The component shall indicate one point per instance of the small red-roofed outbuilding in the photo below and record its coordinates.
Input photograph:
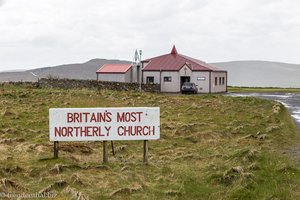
(115, 73)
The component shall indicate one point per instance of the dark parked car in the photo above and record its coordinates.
(189, 88)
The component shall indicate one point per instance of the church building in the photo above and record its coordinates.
(173, 69)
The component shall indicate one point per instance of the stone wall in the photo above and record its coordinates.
(21, 83)
(74, 83)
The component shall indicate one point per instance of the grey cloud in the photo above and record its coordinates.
(211, 30)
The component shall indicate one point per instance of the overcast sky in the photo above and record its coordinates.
(40, 33)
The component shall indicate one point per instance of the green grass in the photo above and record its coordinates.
(263, 89)
(211, 147)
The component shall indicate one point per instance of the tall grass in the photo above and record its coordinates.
(211, 147)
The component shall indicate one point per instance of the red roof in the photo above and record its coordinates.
(175, 61)
(114, 68)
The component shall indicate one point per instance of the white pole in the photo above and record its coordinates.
(140, 73)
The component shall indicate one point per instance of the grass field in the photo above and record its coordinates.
(211, 147)
(265, 89)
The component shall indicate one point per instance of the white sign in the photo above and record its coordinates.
(100, 124)
(201, 78)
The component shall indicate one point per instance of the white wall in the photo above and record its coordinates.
(198, 78)
(218, 88)
(174, 85)
(155, 74)
(195, 77)
(126, 77)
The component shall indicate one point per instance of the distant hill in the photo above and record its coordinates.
(261, 74)
(16, 76)
(76, 71)
(85, 70)
(240, 73)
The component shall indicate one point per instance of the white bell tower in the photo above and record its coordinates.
(137, 67)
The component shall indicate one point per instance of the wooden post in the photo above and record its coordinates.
(105, 155)
(145, 155)
(112, 148)
(55, 148)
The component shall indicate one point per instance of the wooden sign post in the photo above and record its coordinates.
(145, 154)
(55, 149)
(112, 148)
(105, 154)
(104, 124)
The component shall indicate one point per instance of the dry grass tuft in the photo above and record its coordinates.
(11, 140)
(128, 190)
(7, 113)
(183, 129)
(9, 130)
(81, 148)
(76, 179)
(120, 148)
(250, 155)
(61, 184)
(276, 108)
(57, 169)
(173, 193)
(75, 194)
(253, 166)
(11, 170)
(9, 184)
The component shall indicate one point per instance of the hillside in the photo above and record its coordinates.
(85, 70)
(17, 76)
(240, 73)
(76, 71)
(211, 147)
(261, 74)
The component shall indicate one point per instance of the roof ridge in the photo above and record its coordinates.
(155, 57)
(199, 62)
(173, 62)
